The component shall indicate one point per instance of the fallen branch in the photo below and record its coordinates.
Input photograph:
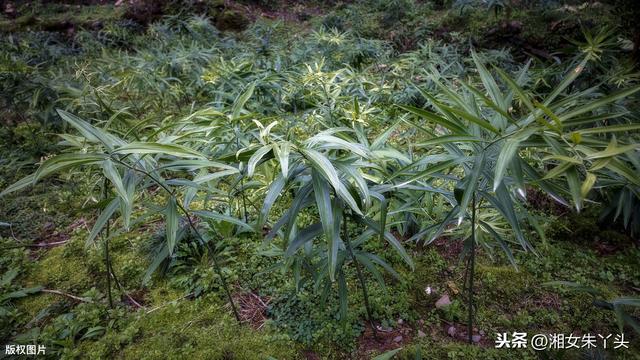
(133, 300)
(58, 292)
(35, 245)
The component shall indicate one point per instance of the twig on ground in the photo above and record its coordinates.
(58, 292)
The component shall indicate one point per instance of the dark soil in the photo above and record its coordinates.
(386, 340)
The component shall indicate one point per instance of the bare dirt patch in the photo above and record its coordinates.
(252, 308)
(387, 339)
(448, 248)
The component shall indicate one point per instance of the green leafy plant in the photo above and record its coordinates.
(114, 157)
(308, 163)
(328, 171)
(10, 292)
(486, 132)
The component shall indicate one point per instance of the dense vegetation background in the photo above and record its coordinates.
(268, 179)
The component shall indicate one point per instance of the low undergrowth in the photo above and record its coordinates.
(240, 180)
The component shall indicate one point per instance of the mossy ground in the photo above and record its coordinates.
(172, 326)
(198, 329)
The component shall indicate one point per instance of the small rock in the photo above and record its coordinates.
(397, 339)
(452, 331)
(476, 338)
(400, 321)
(421, 334)
(443, 301)
(428, 290)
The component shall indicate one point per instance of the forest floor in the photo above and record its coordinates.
(59, 284)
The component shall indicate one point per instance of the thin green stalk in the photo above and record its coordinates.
(216, 265)
(122, 289)
(471, 268)
(107, 258)
(244, 200)
(363, 285)
(383, 219)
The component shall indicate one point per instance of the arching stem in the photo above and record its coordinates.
(216, 265)
(471, 268)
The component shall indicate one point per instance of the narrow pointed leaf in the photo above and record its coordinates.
(307, 234)
(66, 161)
(275, 189)
(392, 240)
(242, 100)
(256, 157)
(171, 223)
(507, 153)
(225, 218)
(102, 220)
(90, 132)
(323, 202)
(19, 185)
(322, 165)
(282, 152)
(157, 148)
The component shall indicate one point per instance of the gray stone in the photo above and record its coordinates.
(444, 301)
(452, 331)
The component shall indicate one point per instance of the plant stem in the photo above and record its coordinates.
(244, 200)
(383, 219)
(107, 258)
(360, 277)
(124, 291)
(471, 267)
(216, 266)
